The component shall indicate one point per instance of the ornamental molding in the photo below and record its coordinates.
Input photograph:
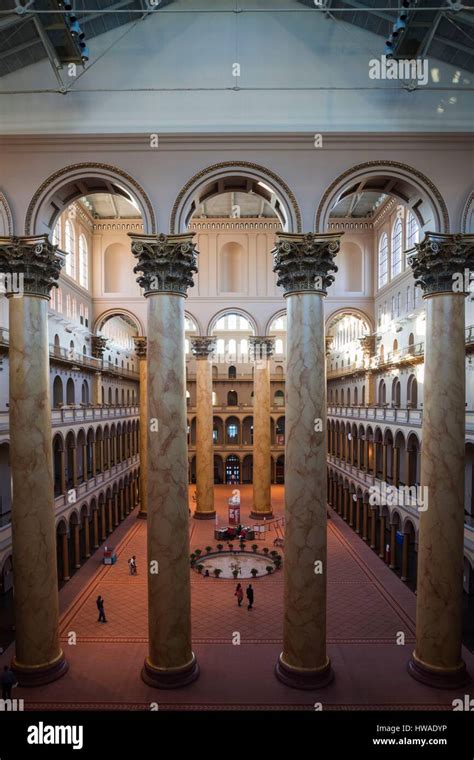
(236, 166)
(140, 346)
(397, 165)
(68, 170)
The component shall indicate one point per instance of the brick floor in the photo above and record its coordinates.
(367, 607)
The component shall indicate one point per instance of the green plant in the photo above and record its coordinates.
(200, 568)
(220, 547)
(254, 547)
(235, 573)
(269, 569)
(217, 571)
(277, 562)
(231, 546)
(254, 572)
(266, 549)
(208, 549)
(197, 552)
(192, 556)
(274, 553)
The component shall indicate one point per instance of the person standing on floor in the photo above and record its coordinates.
(8, 680)
(249, 594)
(239, 593)
(100, 607)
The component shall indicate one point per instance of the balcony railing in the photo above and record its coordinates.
(71, 415)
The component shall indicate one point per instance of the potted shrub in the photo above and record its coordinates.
(220, 547)
(200, 568)
(197, 552)
(266, 549)
(192, 557)
(208, 549)
(230, 546)
(242, 546)
(274, 553)
(277, 561)
(217, 571)
(254, 572)
(254, 548)
(235, 573)
(269, 569)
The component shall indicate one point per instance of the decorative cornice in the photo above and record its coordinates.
(8, 214)
(383, 165)
(203, 347)
(209, 170)
(62, 173)
(99, 344)
(261, 347)
(35, 260)
(167, 262)
(140, 346)
(440, 261)
(303, 262)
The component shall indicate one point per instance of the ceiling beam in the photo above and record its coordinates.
(454, 44)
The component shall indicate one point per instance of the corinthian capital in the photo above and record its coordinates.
(34, 263)
(261, 347)
(140, 346)
(99, 344)
(442, 262)
(167, 262)
(203, 346)
(304, 262)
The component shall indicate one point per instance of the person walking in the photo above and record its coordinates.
(249, 594)
(133, 565)
(239, 593)
(8, 680)
(100, 607)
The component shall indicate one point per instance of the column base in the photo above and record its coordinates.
(261, 515)
(173, 678)
(42, 674)
(141, 515)
(438, 678)
(306, 680)
(204, 515)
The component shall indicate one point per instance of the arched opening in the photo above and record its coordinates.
(232, 470)
(70, 392)
(58, 392)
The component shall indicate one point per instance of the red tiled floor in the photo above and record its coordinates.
(367, 607)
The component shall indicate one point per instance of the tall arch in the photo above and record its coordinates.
(71, 182)
(6, 217)
(467, 216)
(243, 176)
(405, 182)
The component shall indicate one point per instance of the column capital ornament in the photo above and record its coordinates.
(99, 344)
(140, 346)
(167, 262)
(329, 340)
(30, 265)
(203, 346)
(261, 347)
(304, 262)
(440, 262)
(367, 343)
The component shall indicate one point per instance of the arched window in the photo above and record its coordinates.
(396, 393)
(383, 260)
(356, 396)
(57, 392)
(220, 346)
(85, 392)
(83, 262)
(232, 398)
(70, 246)
(57, 233)
(382, 393)
(232, 372)
(412, 392)
(244, 347)
(279, 398)
(70, 392)
(413, 230)
(397, 248)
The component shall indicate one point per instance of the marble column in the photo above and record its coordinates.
(359, 500)
(384, 461)
(87, 538)
(116, 512)
(373, 527)
(303, 264)
(65, 547)
(31, 267)
(97, 389)
(351, 510)
(140, 350)
(202, 349)
(346, 504)
(110, 523)
(122, 506)
(167, 264)
(405, 548)
(365, 525)
(439, 265)
(77, 546)
(103, 527)
(261, 351)
(382, 537)
(393, 546)
(96, 528)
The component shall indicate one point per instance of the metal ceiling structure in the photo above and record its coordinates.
(32, 30)
(442, 29)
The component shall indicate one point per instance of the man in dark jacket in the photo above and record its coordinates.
(249, 594)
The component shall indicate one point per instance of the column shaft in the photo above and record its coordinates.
(202, 348)
(262, 507)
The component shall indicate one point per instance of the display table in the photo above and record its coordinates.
(110, 557)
